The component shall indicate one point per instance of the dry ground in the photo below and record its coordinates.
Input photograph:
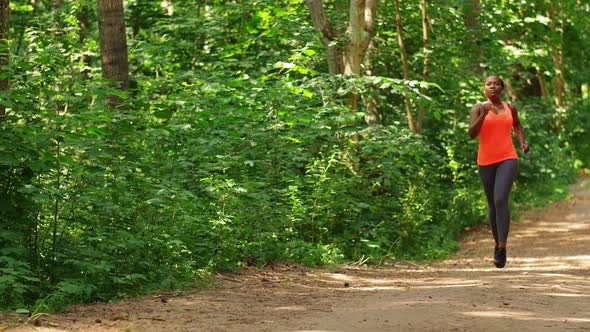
(544, 287)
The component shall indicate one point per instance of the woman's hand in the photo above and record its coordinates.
(525, 148)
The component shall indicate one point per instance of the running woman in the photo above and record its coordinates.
(493, 121)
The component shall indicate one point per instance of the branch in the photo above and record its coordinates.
(320, 20)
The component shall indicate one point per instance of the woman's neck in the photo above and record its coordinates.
(495, 101)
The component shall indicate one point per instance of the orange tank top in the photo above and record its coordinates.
(495, 138)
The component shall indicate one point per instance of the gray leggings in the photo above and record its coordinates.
(497, 182)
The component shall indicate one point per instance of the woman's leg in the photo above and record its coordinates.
(505, 176)
(487, 174)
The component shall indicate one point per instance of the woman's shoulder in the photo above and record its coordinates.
(478, 106)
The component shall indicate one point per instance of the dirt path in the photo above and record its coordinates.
(545, 287)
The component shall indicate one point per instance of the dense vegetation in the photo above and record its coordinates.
(235, 145)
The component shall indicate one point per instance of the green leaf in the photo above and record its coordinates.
(164, 114)
(8, 160)
(309, 52)
(22, 311)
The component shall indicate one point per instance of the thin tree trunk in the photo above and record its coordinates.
(356, 29)
(322, 25)
(113, 43)
(557, 52)
(510, 90)
(472, 11)
(361, 30)
(4, 50)
(402, 49)
(84, 24)
(371, 103)
(542, 84)
(426, 52)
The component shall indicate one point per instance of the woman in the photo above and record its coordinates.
(497, 160)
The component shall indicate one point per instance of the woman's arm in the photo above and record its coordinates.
(518, 130)
(476, 116)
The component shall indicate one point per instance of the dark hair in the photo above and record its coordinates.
(499, 79)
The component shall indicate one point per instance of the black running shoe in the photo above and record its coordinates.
(500, 257)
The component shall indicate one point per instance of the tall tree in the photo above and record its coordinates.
(557, 50)
(471, 13)
(405, 68)
(4, 50)
(113, 43)
(361, 29)
(321, 23)
(84, 24)
(426, 52)
(373, 115)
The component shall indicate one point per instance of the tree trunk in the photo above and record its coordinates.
(426, 52)
(84, 24)
(373, 115)
(4, 50)
(557, 52)
(542, 84)
(510, 90)
(352, 60)
(322, 25)
(402, 49)
(361, 30)
(113, 43)
(471, 12)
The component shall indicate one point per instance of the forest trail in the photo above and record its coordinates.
(544, 287)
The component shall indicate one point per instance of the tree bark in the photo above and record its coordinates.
(361, 30)
(322, 25)
(352, 62)
(426, 52)
(113, 43)
(4, 51)
(402, 49)
(542, 84)
(84, 24)
(373, 115)
(510, 90)
(557, 54)
(471, 12)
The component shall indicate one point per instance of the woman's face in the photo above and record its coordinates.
(493, 87)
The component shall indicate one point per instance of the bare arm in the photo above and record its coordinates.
(476, 116)
(518, 130)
